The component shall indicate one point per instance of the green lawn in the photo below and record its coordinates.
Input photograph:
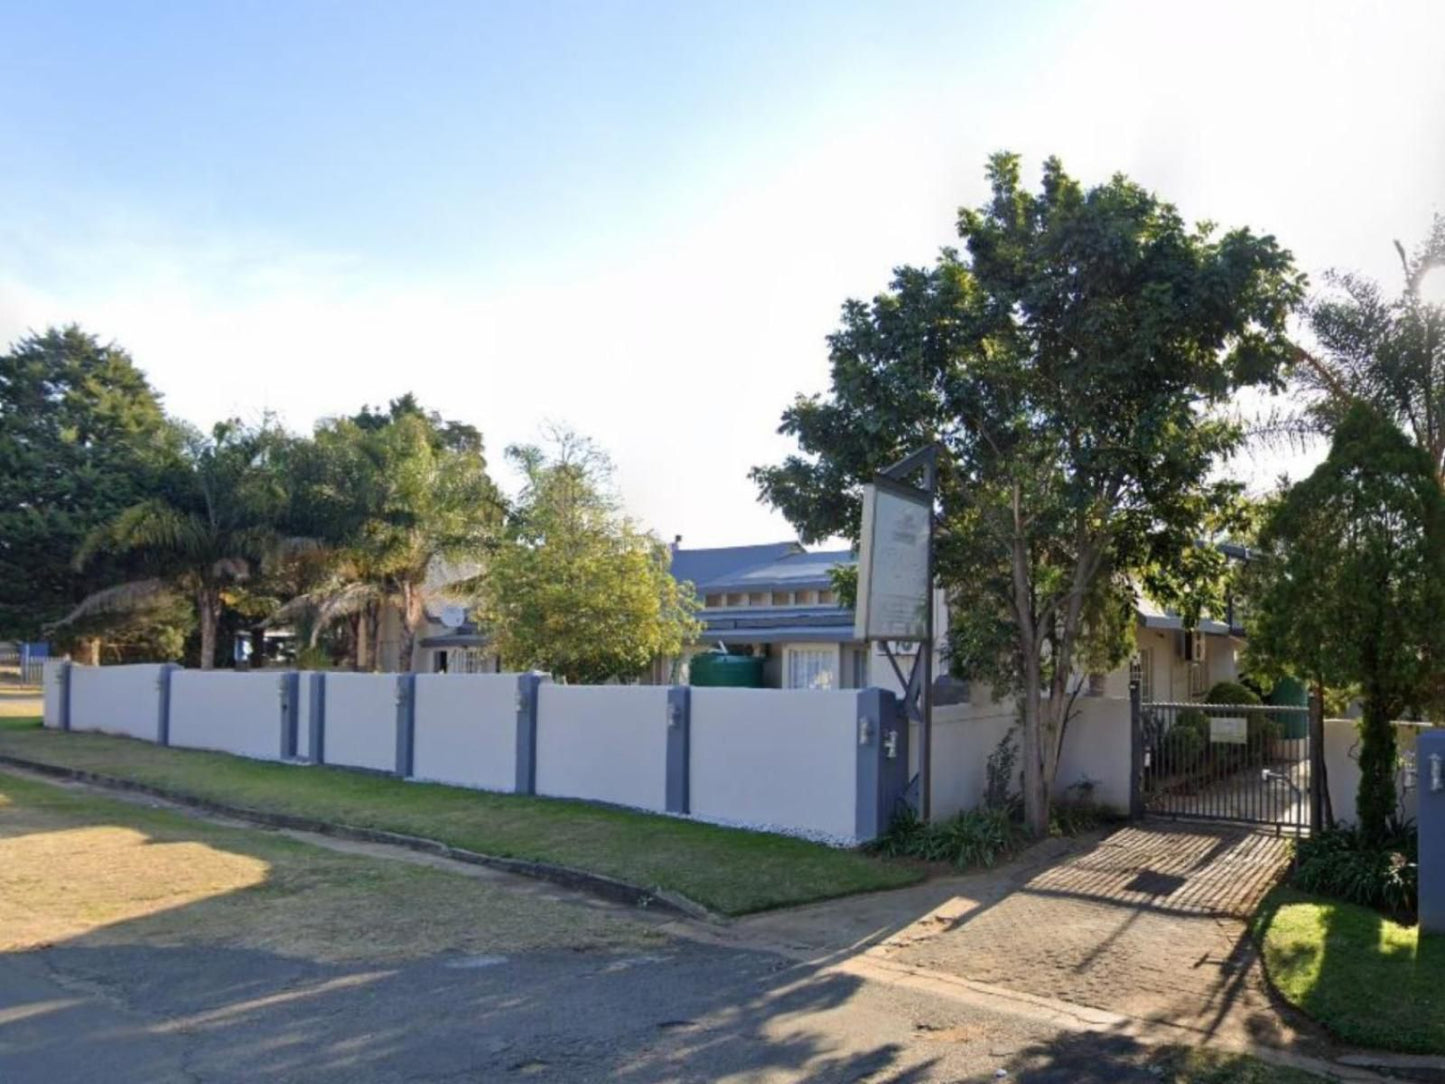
(730, 871)
(1369, 980)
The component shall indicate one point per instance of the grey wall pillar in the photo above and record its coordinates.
(290, 714)
(163, 686)
(316, 736)
(1430, 773)
(527, 686)
(882, 776)
(405, 723)
(679, 727)
(64, 697)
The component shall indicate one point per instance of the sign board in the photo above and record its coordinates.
(893, 589)
(1228, 731)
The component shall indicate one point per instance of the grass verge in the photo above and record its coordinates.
(84, 869)
(730, 871)
(1369, 980)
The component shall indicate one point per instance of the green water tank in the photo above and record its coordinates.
(717, 668)
(1289, 692)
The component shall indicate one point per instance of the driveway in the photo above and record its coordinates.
(212, 952)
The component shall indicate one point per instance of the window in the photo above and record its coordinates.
(1198, 680)
(737, 598)
(826, 598)
(811, 668)
(804, 598)
(758, 598)
(1097, 684)
(782, 598)
(1146, 674)
(713, 601)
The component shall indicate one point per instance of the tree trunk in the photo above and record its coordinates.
(90, 651)
(1036, 795)
(355, 648)
(371, 632)
(208, 610)
(1375, 801)
(410, 621)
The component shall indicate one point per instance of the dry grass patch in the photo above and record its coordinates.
(76, 867)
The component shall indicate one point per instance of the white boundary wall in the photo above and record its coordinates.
(229, 711)
(1096, 747)
(466, 730)
(117, 699)
(771, 758)
(607, 743)
(361, 721)
(1342, 766)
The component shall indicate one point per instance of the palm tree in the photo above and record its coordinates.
(208, 529)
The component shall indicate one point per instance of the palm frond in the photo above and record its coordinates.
(122, 598)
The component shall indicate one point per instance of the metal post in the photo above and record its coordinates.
(1317, 761)
(1136, 750)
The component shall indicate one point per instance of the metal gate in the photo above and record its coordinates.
(1225, 762)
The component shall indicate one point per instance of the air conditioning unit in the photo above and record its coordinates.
(1192, 646)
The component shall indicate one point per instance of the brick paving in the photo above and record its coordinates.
(1149, 923)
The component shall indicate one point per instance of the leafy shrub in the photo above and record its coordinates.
(1341, 863)
(1185, 742)
(999, 772)
(977, 837)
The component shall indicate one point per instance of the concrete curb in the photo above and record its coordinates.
(604, 887)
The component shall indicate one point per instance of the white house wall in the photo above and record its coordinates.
(361, 720)
(607, 743)
(775, 758)
(227, 711)
(117, 699)
(466, 730)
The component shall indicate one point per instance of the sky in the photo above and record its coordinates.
(640, 220)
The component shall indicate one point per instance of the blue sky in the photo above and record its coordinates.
(637, 219)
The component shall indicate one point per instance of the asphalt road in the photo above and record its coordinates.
(689, 1012)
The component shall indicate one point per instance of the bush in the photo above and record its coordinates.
(1340, 863)
(978, 837)
(1184, 744)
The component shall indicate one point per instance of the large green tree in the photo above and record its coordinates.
(403, 500)
(1072, 360)
(576, 589)
(209, 522)
(1349, 583)
(82, 435)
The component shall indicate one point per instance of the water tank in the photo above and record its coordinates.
(1288, 692)
(715, 668)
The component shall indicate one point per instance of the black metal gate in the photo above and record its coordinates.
(1224, 762)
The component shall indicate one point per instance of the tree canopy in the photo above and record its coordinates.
(1072, 359)
(576, 589)
(82, 435)
(1349, 583)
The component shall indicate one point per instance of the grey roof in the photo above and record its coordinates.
(791, 570)
(702, 566)
(770, 624)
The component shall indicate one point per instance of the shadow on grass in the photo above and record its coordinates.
(1365, 978)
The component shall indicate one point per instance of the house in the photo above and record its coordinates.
(450, 641)
(778, 601)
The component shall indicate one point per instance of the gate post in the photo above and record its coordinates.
(1136, 750)
(1317, 761)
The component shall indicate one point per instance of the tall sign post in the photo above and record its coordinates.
(895, 588)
